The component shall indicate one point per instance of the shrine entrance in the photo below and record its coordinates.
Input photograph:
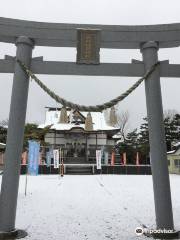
(88, 39)
(75, 148)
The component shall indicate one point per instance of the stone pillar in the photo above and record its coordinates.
(10, 179)
(159, 164)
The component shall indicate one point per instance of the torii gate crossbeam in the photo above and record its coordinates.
(134, 69)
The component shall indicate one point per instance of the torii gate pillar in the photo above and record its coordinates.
(158, 153)
(10, 179)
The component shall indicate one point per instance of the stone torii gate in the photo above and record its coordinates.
(26, 35)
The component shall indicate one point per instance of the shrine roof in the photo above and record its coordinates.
(98, 119)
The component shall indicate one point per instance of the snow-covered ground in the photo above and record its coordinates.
(97, 207)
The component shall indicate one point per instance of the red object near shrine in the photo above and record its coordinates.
(24, 158)
(137, 158)
(124, 158)
(112, 158)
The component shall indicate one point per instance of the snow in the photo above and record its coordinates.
(176, 144)
(2, 145)
(117, 136)
(94, 207)
(52, 118)
(171, 152)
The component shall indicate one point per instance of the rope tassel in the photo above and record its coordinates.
(63, 116)
(88, 122)
(113, 117)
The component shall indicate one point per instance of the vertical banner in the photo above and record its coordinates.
(48, 159)
(137, 158)
(98, 159)
(112, 158)
(102, 155)
(106, 156)
(56, 158)
(124, 158)
(33, 157)
(51, 152)
(60, 155)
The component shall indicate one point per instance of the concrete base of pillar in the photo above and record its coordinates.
(163, 235)
(16, 234)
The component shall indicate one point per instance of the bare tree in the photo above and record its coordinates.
(4, 123)
(123, 123)
(170, 113)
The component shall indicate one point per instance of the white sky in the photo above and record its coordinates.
(91, 90)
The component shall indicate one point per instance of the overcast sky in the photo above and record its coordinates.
(83, 89)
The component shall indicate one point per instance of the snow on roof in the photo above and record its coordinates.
(176, 144)
(2, 145)
(119, 141)
(98, 118)
(171, 152)
(117, 136)
(176, 151)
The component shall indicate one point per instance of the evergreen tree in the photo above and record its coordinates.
(3, 131)
(139, 140)
(3, 134)
(32, 132)
(144, 141)
(177, 128)
(130, 146)
(132, 142)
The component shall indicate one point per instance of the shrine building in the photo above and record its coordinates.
(79, 134)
